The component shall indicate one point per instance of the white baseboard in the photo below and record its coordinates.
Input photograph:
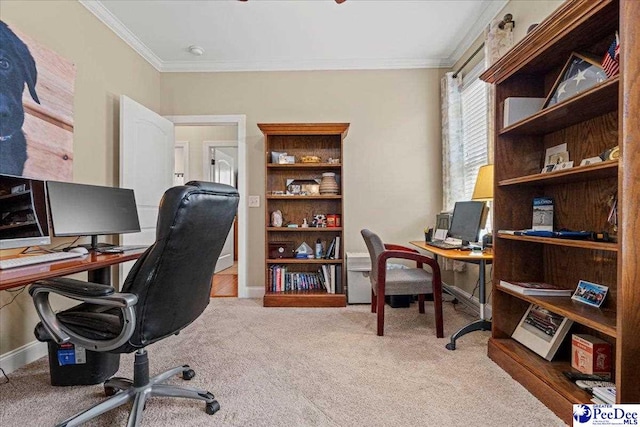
(253, 292)
(467, 299)
(24, 355)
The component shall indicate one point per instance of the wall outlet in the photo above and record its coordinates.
(254, 201)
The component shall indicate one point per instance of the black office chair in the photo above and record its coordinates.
(167, 289)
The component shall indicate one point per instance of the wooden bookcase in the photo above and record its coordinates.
(591, 122)
(323, 140)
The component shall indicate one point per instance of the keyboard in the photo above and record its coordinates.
(23, 261)
(444, 245)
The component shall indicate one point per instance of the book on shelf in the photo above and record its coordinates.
(605, 394)
(542, 331)
(333, 251)
(542, 214)
(536, 288)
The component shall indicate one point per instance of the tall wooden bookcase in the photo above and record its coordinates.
(324, 141)
(591, 122)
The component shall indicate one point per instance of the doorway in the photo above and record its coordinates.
(220, 131)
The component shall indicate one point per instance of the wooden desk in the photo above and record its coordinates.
(482, 260)
(96, 264)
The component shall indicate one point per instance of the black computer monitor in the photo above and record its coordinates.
(91, 210)
(23, 212)
(467, 221)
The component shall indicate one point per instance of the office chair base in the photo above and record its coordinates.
(123, 390)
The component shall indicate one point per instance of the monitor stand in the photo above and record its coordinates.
(95, 245)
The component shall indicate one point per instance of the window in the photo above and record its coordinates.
(473, 99)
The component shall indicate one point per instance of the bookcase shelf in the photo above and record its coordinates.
(302, 261)
(589, 123)
(512, 356)
(600, 320)
(324, 140)
(304, 230)
(602, 98)
(585, 244)
(607, 169)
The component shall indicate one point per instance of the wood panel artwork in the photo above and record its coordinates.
(48, 126)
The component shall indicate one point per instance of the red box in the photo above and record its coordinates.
(590, 355)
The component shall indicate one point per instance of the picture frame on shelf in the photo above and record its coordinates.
(590, 293)
(542, 331)
(303, 187)
(580, 73)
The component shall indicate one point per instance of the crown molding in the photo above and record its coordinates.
(313, 65)
(477, 29)
(110, 20)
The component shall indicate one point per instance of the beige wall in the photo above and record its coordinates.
(106, 68)
(392, 152)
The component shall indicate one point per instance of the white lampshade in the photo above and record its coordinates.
(483, 191)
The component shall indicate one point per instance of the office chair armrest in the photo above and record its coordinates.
(92, 293)
(413, 256)
(394, 247)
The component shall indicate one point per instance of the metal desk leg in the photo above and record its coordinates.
(479, 325)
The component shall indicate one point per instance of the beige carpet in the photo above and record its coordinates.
(306, 367)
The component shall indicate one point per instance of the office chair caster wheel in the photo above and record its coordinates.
(212, 407)
(450, 346)
(110, 391)
(188, 374)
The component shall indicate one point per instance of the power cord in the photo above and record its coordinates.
(8, 381)
(17, 293)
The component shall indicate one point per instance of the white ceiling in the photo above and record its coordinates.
(262, 35)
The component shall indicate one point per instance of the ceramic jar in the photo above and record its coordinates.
(328, 184)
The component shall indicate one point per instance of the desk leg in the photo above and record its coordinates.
(479, 325)
(100, 275)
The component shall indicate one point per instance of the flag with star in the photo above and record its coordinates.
(610, 62)
(578, 75)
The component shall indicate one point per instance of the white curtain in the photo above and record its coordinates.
(452, 155)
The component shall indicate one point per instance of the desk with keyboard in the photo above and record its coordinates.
(481, 259)
(97, 265)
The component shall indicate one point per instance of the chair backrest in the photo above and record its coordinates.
(375, 247)
(172, 279)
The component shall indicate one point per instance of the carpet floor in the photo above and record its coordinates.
(305, 367)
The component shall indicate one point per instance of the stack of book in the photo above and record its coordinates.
(536, 288)
(604, 395)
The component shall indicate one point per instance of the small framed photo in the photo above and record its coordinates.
(563, 165)
(579, 74)
(590, 293)
(542, 331)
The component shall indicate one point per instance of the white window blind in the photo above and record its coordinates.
(474, 127)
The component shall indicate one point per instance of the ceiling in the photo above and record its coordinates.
(269, 35)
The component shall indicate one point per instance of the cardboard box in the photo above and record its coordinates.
(590, 355)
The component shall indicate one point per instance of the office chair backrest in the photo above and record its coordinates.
(172, 279)
(375, 247)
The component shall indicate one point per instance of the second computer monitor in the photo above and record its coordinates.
(91, 210)
(467, 221)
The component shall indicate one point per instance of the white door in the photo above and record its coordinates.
(223, 166)
(146, 166)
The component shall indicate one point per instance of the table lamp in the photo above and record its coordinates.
(483, 191)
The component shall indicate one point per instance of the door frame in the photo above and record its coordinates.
(240, 121)
(184, 145)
